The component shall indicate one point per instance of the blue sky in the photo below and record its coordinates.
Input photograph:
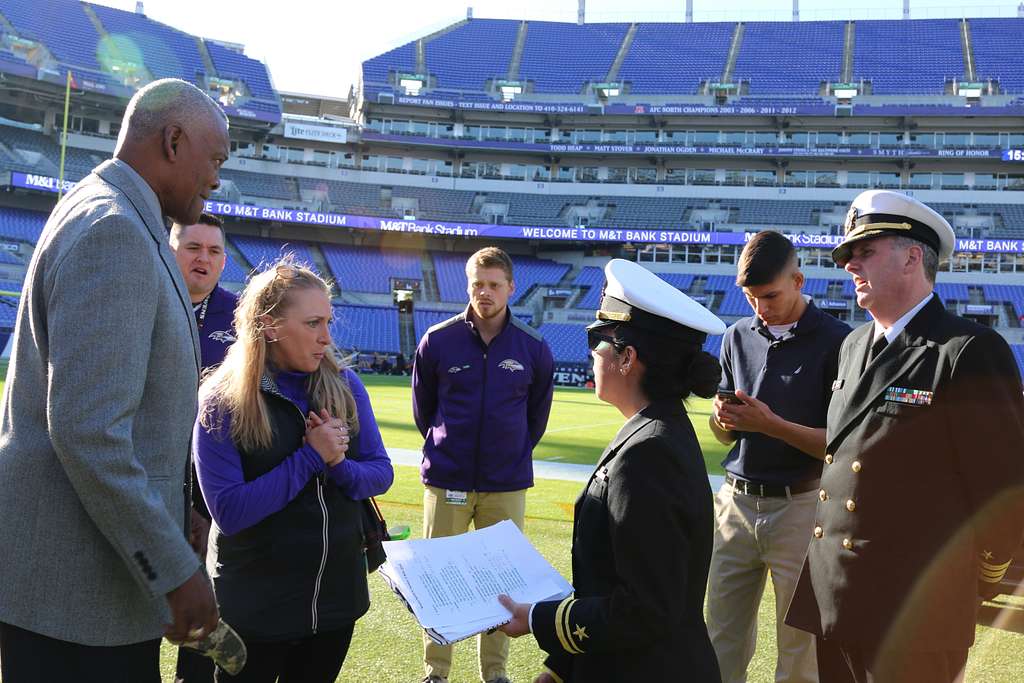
(316, 47)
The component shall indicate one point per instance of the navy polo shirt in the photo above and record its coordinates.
(794, 377)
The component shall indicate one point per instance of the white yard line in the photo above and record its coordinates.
(543, 469)
(576, 427)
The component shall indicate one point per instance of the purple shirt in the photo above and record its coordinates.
(216, 326)
(481, 408)
(237, 504)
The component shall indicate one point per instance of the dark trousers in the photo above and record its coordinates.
(27, 657)
(193, 667)
(840, 662)
(316, 659)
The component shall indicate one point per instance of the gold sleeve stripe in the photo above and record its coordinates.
(989, 567)
(568, 630)
(560, 629)
(993, 572)
(556, 677)
(992, 577)
(573, 636)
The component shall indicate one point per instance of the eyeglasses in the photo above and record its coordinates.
(594, 339)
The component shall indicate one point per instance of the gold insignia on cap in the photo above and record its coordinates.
(851, 219)
(611, 315)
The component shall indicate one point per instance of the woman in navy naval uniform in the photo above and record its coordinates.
(644, 524)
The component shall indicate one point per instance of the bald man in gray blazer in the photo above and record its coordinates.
(98, 408)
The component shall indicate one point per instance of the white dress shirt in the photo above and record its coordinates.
(892, 332)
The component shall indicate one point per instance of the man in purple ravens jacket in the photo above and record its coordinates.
(482, 384)
(199, 251)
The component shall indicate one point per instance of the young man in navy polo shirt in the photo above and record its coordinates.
(199, 251)
(780, 363)
(482, 383)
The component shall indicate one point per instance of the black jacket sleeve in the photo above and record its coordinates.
(988, 405)
(644, 493)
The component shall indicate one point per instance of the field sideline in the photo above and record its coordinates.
(387, 645)
(579, 428)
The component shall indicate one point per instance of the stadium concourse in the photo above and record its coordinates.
(491, 131)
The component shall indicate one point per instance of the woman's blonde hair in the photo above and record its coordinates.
(234, 388)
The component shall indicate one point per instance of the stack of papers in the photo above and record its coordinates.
(451, 585)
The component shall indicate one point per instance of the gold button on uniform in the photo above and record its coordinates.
(818, 532)
(851, 506)
(828, 458)
(855, 466)
(822, 495)
(848, 544)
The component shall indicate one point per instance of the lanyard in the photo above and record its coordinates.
(201, 310)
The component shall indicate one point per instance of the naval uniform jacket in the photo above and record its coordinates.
(920, 504)
(642, 538)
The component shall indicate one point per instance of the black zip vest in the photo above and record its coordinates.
(301, 570)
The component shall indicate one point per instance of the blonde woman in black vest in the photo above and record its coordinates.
(286, 446)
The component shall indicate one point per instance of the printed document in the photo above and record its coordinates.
(451, 585)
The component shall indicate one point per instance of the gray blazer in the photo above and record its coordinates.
(97, 417)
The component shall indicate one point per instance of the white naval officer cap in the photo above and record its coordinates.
(636, 297)
(877, 213)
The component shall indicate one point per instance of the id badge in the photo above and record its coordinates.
(455, 497)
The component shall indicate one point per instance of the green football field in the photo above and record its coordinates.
(579, 428)
(387, 645)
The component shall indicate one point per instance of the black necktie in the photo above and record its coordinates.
(877, 348)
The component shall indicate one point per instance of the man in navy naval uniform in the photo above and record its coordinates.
(920, 506)
(199, 251)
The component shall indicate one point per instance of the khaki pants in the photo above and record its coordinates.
(755, 536)
(441, 518)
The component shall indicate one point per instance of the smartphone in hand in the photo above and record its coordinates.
(729, 397)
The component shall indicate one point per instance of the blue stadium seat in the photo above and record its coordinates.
(261, 252)
(451, 275)
(445, 55)
(253, 73)
(234, 272)
(592, 277)
(656, 65)
(1010, 294)
(568, 342)
(545, 57)
(401, 59)
(812, 52)
(8, 313)
(21, 224)
(908, 57)
(993, 58)
(365, 329)
(713, 345)
(62, 26)
(952, 291)
(167, 52)
(359, 269)
(423, 320)
(262, 185)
